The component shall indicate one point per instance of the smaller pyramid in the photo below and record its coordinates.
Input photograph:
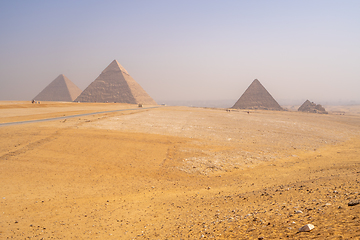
(257, 97)
(312, 107)
(115, 84)
(61, 89)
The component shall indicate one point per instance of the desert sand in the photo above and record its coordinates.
(177, 173)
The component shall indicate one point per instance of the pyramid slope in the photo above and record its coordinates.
(312, 107)
(115, 84)
(60, 89)
(257, 97)
(303, 108)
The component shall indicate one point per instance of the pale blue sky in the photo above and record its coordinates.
(185, 50)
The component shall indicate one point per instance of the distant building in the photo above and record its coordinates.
(312, 107)
(115, 84)
(60, 89)
(257, 97)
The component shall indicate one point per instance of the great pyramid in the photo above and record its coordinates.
(115, 84)
(257, 97)
(61, 89)
(312, 107)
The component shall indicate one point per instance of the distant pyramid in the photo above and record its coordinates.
(312, 107)
(61, 89)
(114, 84)
(257, 97)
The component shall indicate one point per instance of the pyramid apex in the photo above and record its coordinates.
(115, 62)
(115, 66)
(256, 81)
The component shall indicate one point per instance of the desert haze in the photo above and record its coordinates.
(162, 172)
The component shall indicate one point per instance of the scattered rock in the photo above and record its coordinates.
(354, 202)
(298, 211)
(306, 228)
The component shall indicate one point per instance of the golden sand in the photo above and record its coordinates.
(177, 173)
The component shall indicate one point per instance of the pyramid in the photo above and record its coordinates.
(61, 89)
(257, 97)
(115, 84)
(312, 107)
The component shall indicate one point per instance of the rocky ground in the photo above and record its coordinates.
(177, 173)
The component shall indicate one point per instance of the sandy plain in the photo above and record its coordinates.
(177, 173)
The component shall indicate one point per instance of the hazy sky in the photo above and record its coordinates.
(185, 50)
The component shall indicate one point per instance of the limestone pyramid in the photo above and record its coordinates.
(257, 97)
(312, 107)
(115, 84)
(61, 89)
